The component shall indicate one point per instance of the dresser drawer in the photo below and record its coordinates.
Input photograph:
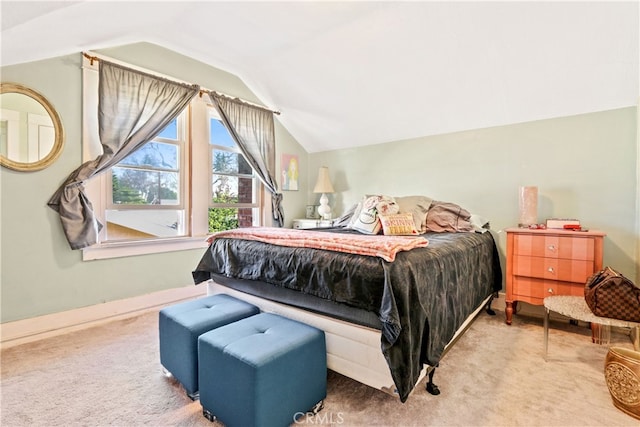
(566, 270)
(554, 246)
(534, 290)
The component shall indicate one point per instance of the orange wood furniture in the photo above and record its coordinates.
(548, 262)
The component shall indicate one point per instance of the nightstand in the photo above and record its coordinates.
(548, 262)
(306, 224)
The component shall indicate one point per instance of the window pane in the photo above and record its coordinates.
(222, 219)
(171, 131)
(145, 187)
(246, 193)
(224, 189)
(144, 224)
(230, 162)
(155, 155)
(229, 218)
(232, 189)
(219, 135)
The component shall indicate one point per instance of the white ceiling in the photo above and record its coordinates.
(352, 73)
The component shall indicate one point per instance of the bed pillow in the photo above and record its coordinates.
(387, 206)
(356, 213)
(368, 221)
(345, 219)
(446, 216)
(358, 209)
(479, 224)
(418, 206)
(400, 224)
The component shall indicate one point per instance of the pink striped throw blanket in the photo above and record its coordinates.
(385, 247)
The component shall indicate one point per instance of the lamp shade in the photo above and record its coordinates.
(528, 204)
(323, 184)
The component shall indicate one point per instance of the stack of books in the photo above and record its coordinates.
(563, 223)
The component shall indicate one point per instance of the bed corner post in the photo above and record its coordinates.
(431, 387)
(488, 308)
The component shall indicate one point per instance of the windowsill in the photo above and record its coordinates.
(125, 249)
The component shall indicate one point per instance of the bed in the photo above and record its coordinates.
(387, 323)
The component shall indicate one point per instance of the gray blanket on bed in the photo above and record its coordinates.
(421, 298)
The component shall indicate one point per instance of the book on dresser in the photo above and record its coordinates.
(561, 222)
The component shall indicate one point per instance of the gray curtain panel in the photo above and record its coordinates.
(253, 130)
(133, 108)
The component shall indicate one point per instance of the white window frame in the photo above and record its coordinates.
(197, 177)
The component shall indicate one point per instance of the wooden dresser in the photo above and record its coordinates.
(548, 262)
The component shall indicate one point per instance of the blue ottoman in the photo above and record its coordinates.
(264, 370)
(181, 325)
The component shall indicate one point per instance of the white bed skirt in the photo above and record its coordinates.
(352, 350)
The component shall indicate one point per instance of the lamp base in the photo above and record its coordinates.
(324, 210)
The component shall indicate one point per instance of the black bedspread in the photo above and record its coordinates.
(421, 298)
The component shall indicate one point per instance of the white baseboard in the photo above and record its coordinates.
(36, 328)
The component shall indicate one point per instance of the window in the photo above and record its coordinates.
(234, 201)
(145, 192)
(189, 181)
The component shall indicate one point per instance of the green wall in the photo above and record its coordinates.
(584, 166)
(39, 273)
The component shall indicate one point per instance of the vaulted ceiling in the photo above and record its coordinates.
(352, 73)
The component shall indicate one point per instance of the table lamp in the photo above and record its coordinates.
(323, 185)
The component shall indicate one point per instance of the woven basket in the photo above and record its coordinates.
(622, 374)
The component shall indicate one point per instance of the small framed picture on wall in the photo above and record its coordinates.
(289, 172)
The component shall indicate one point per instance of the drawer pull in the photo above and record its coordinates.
(550, 290)
(550, 270)
(552, 248)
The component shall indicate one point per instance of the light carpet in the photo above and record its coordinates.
(494, 375)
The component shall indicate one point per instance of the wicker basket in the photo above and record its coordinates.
(622, 374)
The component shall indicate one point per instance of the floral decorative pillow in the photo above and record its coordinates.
(401, 224)
(387, 206)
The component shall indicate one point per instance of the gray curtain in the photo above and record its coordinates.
(133, 108)
(252, 129)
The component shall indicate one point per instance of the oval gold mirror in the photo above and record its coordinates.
(31, 133)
